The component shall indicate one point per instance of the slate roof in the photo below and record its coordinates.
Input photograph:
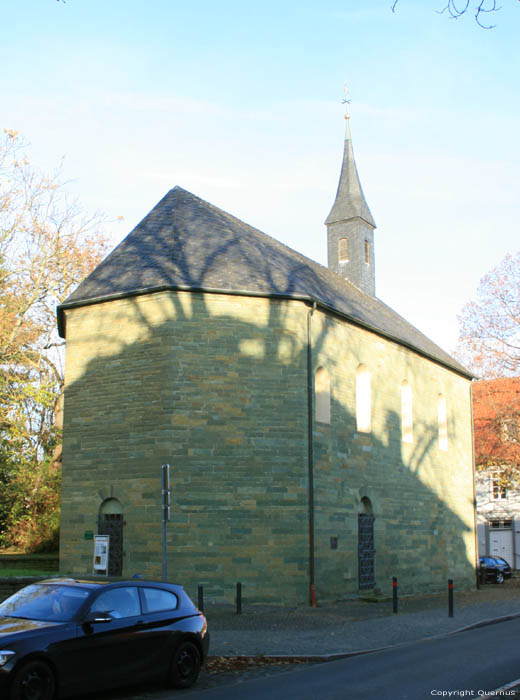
(350, 201)
(187, 243)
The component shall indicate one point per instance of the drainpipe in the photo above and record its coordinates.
(473, 466)
(310, 456)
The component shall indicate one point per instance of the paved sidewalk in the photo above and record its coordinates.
(351, 626)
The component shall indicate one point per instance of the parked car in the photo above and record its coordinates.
(494, 568)
(64, 636)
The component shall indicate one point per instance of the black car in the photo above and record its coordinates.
(494, 568)
(64, 636)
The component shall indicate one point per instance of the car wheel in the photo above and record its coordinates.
(185, 666)
(500, 577)
(33, 681)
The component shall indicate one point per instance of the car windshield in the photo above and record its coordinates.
(46, 602)
(500, 560)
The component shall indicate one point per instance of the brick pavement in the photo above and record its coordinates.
(350, 626)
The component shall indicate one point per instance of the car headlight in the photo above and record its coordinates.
(5, 655)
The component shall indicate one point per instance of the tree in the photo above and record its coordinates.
(489, 332)
(47, 246)
(457, 8)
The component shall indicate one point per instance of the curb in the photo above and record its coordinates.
(323, 658)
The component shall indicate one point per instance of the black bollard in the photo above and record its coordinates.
(395, 600)
(239, 598)
(450, 597)
(200, 595)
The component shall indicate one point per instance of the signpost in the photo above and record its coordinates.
(165, 511)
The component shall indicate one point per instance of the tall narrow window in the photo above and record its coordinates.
(442, 420)
(406, 412)
(343, 250)
(363, 400)
(322, 395)
(367, 252)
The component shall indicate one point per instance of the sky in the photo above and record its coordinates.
(241, 104)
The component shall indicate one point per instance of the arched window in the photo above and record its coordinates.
(322, 395)
(363, 400)
(406, 412)
(442, 420)
(343, 250)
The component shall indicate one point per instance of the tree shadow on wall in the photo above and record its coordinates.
(224, 401)
(217, 386)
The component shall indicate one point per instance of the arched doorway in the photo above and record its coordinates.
(110, 522)
(366, 551)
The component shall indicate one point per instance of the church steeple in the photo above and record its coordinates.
(350, 226)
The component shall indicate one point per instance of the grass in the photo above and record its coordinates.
(9, 573)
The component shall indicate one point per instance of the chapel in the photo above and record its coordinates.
(318, 443)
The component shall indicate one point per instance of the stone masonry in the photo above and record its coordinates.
(216, 386)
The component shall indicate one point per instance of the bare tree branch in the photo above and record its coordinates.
(457, 9)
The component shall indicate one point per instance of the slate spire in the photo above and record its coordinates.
(350, 226)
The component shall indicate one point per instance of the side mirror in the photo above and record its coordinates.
(95, 618)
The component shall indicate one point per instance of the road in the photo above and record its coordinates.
(467, 664)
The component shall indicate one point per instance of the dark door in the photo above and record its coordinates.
(366, 551)
(112, 524)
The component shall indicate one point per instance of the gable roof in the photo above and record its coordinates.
(185, 243)
(495, 402)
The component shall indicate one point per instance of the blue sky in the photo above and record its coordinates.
(240, 103)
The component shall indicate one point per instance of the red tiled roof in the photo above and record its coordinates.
(495, 401)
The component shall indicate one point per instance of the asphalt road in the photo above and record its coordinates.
(467, 664)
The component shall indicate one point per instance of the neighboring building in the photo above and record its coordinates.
(315, 437)
(496, 409)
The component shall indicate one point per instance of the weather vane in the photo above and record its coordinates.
(346, 101)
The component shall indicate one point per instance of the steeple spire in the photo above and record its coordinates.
(350, 225)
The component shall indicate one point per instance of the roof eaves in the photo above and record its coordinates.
(248, 293)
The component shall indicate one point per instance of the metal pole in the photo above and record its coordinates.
(395, 600)
(450, 597)
(164, 554)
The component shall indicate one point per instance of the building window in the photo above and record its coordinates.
(363, 400)
(501, 524)
(322, 395)
(343, 250)
(498, 487)
(509, 431)
(367, 252)
(406, 412)
(442, 422)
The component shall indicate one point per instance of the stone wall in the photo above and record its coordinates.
(421, 495)
(216, 386)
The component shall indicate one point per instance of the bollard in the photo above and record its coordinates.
(395, 600)
(313, 595)
(239, 598)
(200, 595)
(450, 597)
